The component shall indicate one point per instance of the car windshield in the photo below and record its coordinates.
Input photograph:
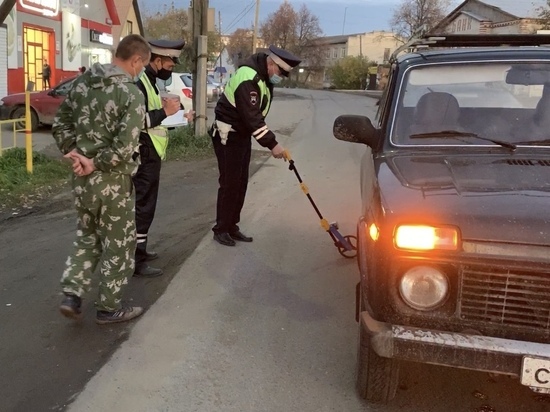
(474, 104)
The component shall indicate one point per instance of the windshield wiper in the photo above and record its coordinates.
(456, 133)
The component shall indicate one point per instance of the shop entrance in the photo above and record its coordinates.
(37, 52)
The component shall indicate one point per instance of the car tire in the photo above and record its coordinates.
(377, 377)
(20, 112)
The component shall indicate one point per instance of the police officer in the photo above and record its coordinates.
(240, 115)
(153, 142)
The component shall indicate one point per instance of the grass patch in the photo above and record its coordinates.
(19, 188)
(184, 145)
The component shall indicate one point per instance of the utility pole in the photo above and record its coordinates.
(255, 35)
(221, 44)
(200, 31)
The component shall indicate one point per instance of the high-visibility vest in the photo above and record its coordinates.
(158, 134)
(244, 74)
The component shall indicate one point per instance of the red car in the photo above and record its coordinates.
(44, 105)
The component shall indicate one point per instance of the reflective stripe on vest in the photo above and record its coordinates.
(157, 134)
(244, 74)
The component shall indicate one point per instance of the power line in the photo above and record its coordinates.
(240, 16)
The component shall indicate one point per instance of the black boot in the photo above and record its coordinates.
(241, 237)
(146, 271)
(224, 239)
(70, 306)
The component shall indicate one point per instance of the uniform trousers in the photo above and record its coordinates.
(106, 233)
(233, 166)
(146, 182)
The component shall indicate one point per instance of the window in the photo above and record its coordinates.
(334, 53)
(342, 53)
(327, 54)
(129, 27)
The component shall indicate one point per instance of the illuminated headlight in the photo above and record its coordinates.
(424, 288)
(419, 237)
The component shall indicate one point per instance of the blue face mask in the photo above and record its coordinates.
(275, 79)
(137, 76)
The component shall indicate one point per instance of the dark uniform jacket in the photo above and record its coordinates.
(247, 118)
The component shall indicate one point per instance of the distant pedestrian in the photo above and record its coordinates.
(82, 69)
(240, 115)
(46, 74)
(97, 127)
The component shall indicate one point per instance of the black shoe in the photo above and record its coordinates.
(147, 271)
(238, 235)
(70, 306)
(224, 239)
(151, 256)
(121, 315)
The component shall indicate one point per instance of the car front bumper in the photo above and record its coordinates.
(460, 350)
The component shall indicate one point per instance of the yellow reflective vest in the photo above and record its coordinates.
(158, 134)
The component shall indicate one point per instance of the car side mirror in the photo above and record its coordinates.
(356, 129)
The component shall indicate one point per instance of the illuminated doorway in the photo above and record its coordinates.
(37, 52)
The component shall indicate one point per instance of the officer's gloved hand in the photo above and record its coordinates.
(278, 151)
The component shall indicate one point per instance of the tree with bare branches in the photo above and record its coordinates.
(296, 31)
(239, 45)
(544, 15)
(412, 15)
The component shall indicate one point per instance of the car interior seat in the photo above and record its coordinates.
(435, 112)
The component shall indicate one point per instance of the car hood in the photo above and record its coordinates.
(489, 197)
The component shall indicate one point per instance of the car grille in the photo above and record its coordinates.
(505, 297)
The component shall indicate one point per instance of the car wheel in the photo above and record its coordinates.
(377, 377)
(20, 112)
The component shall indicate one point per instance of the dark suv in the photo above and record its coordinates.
(454, 237)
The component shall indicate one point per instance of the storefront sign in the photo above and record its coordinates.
(44, 7)
(99, 37)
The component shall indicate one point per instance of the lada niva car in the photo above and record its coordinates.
(454, 237)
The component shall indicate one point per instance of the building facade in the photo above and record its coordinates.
(375, 46)
(493, 17)
(66, 34)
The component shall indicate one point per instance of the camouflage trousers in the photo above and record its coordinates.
(106, 233)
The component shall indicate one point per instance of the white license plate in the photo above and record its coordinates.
(535, 372)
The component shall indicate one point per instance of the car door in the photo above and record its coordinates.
(46, 104)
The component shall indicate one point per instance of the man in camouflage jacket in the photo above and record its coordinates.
(97, 127)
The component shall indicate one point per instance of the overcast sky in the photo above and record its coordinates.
(335, 16)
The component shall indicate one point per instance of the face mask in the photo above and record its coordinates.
(164, 74)
(275, 79)
(137, 76)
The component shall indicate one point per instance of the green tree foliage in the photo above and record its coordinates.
(350, 73)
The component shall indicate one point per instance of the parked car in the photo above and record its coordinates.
(219, 85)
(178, 84)
(212, 92)
(44, 105)
(453, 238)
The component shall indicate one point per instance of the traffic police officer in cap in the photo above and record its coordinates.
(153, 142)
(240, 116)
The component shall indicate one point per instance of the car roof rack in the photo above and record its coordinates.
(425, 41)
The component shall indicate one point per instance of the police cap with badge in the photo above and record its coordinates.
(285, 60)
(167, 48)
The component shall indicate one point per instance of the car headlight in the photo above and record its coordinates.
(424, 288)
(421, 237)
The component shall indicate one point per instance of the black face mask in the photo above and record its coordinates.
(164, 74)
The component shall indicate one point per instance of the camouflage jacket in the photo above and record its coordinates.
(102, 117)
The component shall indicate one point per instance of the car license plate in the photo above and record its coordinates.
(535, 372)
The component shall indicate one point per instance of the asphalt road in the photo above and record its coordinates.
(267, 326)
